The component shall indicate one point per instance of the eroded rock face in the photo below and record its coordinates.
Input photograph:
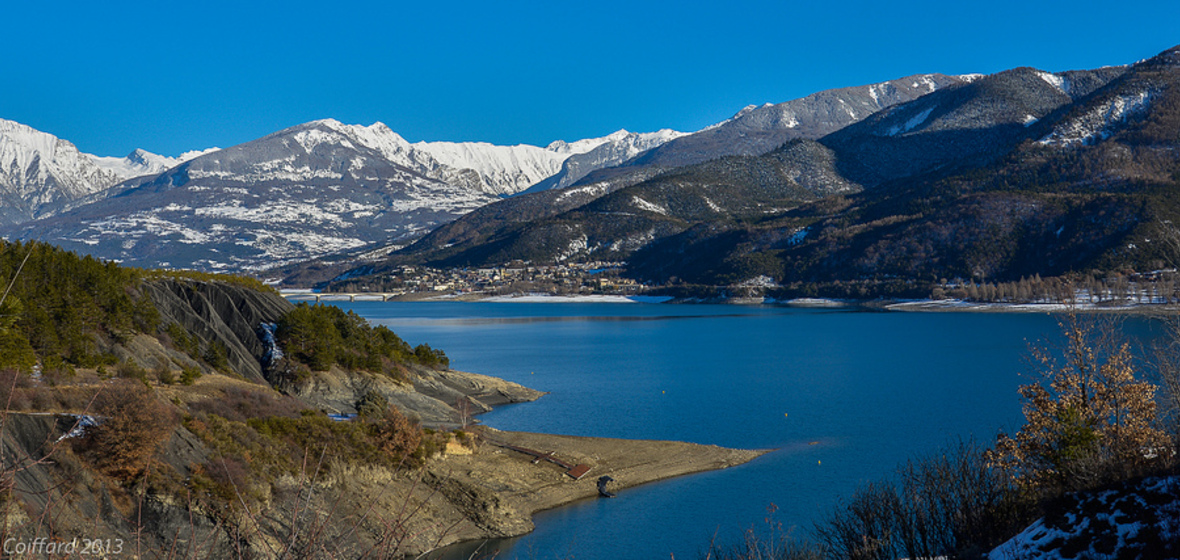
(220, 312)
(433, 397)
(217, 312)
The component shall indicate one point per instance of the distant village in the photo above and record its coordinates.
(418, 282)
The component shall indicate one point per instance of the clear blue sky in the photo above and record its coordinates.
(169, 77)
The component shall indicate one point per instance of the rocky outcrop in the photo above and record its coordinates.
(433, 397)
(230, 315)
(217, 312)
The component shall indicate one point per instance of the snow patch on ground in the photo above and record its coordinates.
(1100, 122)
(797, 237)
(1058, 82)
(762, 281)
(648, 206)
(576, 246)
(589, 191)
(283, 212)
(140, 224)
(1119, 523)
(875, 92)
(911, 124)
(81, 422)
(925, 82)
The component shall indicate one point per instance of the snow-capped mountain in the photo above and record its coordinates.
(755, 129)
(308, 190)
(672, 222)
(142, 162)
(616, 149)
(313, 189)
(498, 170)
(41, 174)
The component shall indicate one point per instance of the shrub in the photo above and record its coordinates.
(372, 405)
(774, 543)
(189, 375)
(133, 423)
(217, 355)
(1089, 420)
(396, 436)
(164, 375)
(239, 404)
(951, 503)
(12, 385)
(182, 340)
(131, 370)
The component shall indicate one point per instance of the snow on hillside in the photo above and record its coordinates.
(506, 169)
(485, 167)
(911, 124)
(143, 162)
(1141, 520)
(617, 149)
(39, 167)
(1100, 121)
(585, 145)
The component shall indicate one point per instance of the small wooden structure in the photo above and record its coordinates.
(575, 472)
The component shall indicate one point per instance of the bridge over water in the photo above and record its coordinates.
(341, 296)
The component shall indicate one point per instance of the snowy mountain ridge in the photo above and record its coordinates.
(311, 189)
(494, 169)
(618, 148)
(142, 162)
(41, 174)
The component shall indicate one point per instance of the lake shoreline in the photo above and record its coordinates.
(498, 488)
(904, 305)
(922, 305)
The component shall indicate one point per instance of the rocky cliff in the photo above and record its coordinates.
(217, 312)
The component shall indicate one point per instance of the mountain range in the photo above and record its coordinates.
(309, 190)
(326, 188)
(40, 174)
(926, 177)
(991, 178)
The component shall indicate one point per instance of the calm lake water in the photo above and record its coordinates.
(871, 389)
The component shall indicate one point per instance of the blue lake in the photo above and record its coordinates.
(843, 396)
